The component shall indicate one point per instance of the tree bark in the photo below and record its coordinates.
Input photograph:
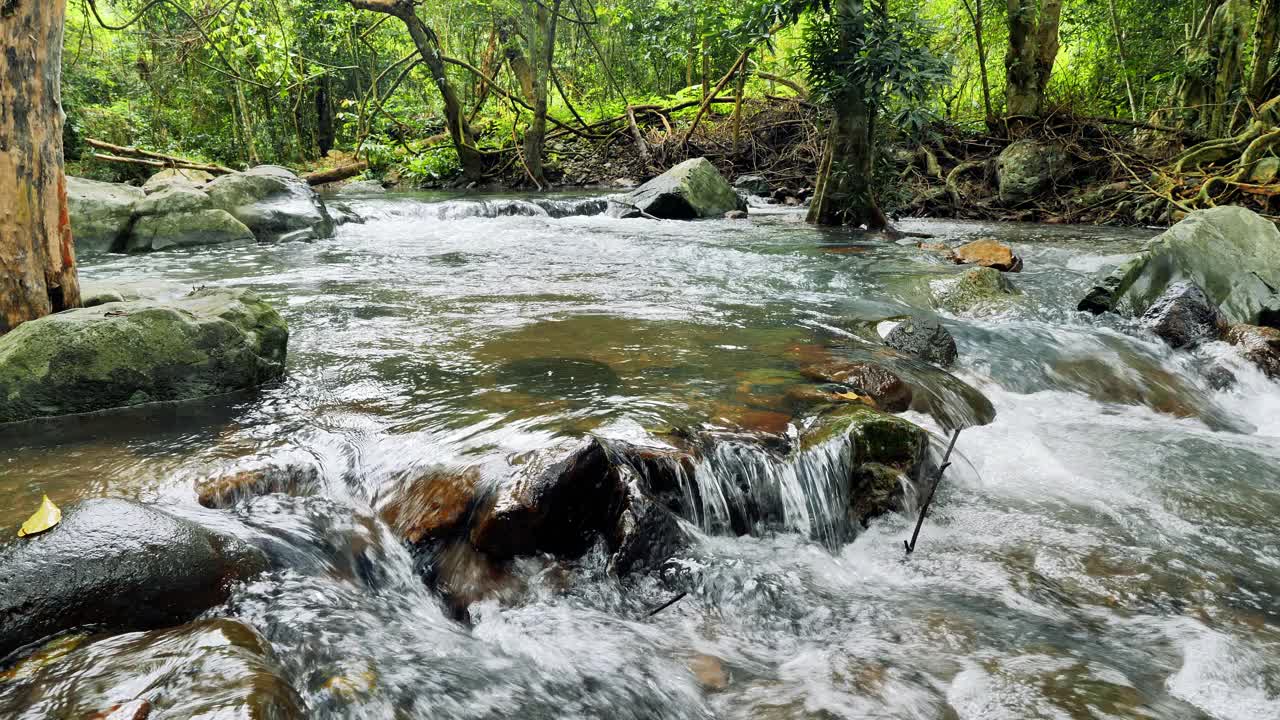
(37, 255)
(1265, 34)
(975, 11)
(516, 60)
(1228, 46)
(544, 48)
(428, 47)
(844, 195)
(1033, 49)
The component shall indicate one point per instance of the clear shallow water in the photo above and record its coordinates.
(1105, 549)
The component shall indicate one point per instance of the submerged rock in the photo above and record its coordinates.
(1184, 317)
(924, 338)
(1231, 253)
(693, 189)
(225, 491)
(273, 203)
(988, 253)
(558, 501)
(100, 213)
(873, 380)
(1028, 168)
(979, 291)
(120, 354)
(1259, 345)
(116, 565)
(215, 668)
(429, 506)
(647, 534)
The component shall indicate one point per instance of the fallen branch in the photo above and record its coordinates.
(320, 177)
(106, 157)
(167, 160)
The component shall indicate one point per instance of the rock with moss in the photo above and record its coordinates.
(177, 176)
(980, 291)
(877, 437)
(185, 229)
(100, 213)
(1231, 253)
(691, 190)
(1028, 168)
(274, 203)
(175, 197)
(129, 353)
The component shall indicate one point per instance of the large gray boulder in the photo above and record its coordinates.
(128, 353)
(273, 203)
(693, 189)
(185, 229)
(1231, 253)
(100, 213)
(1027, 168)
(115, 565)
(179, 176)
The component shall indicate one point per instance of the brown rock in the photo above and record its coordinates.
(888, 391)
(942, 249)
(558, 501)
(223, 492)
(709, 672)
(430, 505)
(464, 575)
(989, 253)
(1259, 345)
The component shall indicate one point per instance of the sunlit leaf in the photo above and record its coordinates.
(46, 517)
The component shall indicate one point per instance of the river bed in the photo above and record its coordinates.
(1105, 549)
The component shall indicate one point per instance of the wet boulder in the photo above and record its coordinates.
(559, 500)
(922, 337)
(872, 380)
(116, 565)
(1028, 168)
(1184, 317)
(647, 534)
(691, 190)
(1259, 345)
(273, 203)
(752, 185)
(100, 213)
(121, 354)
(988, 253)
(213, 668)
(1231, 253)
(431, 505)
(977, 292)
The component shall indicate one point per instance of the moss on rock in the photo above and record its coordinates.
(129, 353)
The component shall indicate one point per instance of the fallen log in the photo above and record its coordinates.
(320, 177)
(164, 164)
(116, 153)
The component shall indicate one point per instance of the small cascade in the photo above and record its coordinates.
(483, 208)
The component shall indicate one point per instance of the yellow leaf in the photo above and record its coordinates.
(46, 517)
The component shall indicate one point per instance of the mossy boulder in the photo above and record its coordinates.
(980, 291)
(877, 437)
(1231, 253)
(273, 203)
(100, 213)
(128, 353)
(175, 197)
(693, 189)
(185, 229)
(177, 176)
(1028, 168)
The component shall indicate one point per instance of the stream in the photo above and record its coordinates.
(1105, 549)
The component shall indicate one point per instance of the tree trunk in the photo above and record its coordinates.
(1228, 47)
(975, 11)
(37, 256)
(428, 47)
(1033, 49)
(516, 60)
(544, 48)
(324, 118)
(844, 195)
(1264, 47)
(1124, 59)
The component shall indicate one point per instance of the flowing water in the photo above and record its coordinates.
(1105, 549)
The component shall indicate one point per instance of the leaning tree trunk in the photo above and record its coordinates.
(1033, 49)
(429, 48)
(37, 256)
(844, 195)
(1265, 38)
